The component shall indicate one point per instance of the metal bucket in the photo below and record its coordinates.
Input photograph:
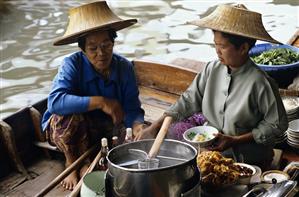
(171, 178)
(93, 184)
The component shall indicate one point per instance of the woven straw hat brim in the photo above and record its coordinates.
(72, 38)
(96, 16)
(236, 21)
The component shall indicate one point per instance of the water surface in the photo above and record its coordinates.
(29, 61)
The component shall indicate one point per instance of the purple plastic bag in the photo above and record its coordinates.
(177, 129)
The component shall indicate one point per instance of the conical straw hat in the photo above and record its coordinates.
(237, 20)
(89, 18)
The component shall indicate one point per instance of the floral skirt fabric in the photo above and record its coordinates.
(73, 133)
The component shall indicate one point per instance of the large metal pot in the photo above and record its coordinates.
(171, 178)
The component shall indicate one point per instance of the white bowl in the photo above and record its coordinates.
(294, 126)
(280, 176)
(207, 132)
(246, 179)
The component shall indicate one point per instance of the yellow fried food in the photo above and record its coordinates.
(216, 169)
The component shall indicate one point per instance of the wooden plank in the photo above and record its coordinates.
(164, 77)
(75, 165)
(195, 65)
(156, 98)
(154, 102)
(294, 39)
(44, 170)
(152, 113)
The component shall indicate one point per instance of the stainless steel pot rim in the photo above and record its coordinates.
(156, 169)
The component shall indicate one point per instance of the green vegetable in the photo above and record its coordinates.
(191, 135)
(278, 56)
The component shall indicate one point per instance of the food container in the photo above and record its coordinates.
(246, 179)
(283, 74)
(274, 176)
(204, 132)
(93, 184)
(171, 178)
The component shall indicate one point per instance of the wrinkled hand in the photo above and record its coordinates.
(147, 133)
(223, 142)
(137, 127)
(113, 108)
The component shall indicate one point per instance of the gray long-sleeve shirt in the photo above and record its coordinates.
(247, 100)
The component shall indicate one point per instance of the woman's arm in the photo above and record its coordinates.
(224, 142)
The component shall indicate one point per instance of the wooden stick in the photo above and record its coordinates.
(77, 188)
(286, 92)
(66, 172)
(160, 137)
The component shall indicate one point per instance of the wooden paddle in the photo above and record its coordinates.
(77, 188)
(160, 137)
(66, 172)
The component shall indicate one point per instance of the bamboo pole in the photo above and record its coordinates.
(286, 92)
(66, 172)
(77, 188)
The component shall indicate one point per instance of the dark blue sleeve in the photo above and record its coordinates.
(64, 98)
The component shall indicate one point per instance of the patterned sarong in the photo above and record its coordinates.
(73, 134)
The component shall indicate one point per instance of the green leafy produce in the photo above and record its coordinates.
(191, 135)
(278, 56)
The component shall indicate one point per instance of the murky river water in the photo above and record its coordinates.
(29, 61)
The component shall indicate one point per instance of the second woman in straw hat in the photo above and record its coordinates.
(95, 89)
(233, 94)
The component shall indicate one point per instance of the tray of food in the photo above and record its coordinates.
(220, 172)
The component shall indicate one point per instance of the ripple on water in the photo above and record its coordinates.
(30, 27)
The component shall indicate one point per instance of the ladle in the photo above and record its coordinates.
(149, 161)
(156, 145)
(143, 156)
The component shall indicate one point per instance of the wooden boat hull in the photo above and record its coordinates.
(25, 168)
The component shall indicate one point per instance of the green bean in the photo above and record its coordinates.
(278, 56)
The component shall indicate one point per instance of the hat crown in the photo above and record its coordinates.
(91, 17)
(237, 20)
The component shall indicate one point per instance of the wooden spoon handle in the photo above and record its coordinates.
(77, 188)
(160, 137)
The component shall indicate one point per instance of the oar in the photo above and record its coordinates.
(66, 172)
(77, 188)
(160, 137)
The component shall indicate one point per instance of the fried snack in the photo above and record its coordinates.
(217, 170)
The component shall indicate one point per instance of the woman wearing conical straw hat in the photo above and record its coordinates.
(95, 89)
(232, 93)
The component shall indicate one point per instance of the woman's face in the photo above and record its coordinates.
(99, 49)
(227, 53)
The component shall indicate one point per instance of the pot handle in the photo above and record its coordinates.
(160, 137)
